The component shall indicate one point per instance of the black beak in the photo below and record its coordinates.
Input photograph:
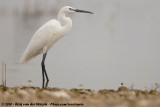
(82, 11)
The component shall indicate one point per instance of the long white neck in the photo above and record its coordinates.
(65, 22)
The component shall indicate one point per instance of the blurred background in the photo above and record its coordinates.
(120, 43)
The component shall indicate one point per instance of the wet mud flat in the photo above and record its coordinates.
(54, 97)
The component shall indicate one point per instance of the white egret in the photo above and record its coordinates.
(47, 35)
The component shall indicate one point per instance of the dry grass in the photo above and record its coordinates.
(54, 97)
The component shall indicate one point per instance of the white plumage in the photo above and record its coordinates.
(47, 35)
(42, 40)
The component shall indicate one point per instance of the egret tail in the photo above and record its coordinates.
(26, 57)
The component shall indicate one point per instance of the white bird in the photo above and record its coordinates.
(47, 35)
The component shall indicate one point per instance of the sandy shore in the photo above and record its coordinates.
(28, 96)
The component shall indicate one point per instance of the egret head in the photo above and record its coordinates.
(68, 9)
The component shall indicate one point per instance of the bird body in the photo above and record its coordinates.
(47, 35)
(44, 39)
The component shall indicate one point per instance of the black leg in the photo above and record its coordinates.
(43, 79)
(44, 73)
(46, 78)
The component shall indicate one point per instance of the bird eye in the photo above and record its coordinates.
(70, 8)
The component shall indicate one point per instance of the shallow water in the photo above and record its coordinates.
(118, 44)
